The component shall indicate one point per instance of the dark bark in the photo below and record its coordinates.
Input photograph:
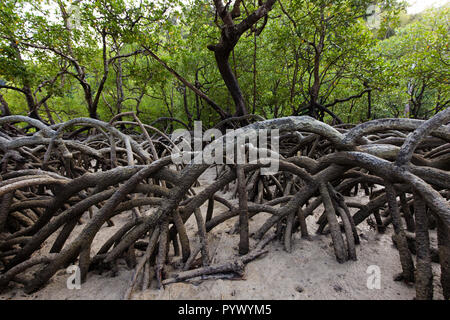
(338, 241)
(4, 107)
(405, 255)
(424, 273)
(244, 244)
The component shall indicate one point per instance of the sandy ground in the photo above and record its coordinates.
(309, 272)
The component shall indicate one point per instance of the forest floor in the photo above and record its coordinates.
(310, 272)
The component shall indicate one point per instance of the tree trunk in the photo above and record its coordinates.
(222, 59)
(4, 107)
(230, 36)
(369, 108)
(32, 107)
(88, 97)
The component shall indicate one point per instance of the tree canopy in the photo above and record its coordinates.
(339, 61)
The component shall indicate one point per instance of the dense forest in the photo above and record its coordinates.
(354, 94)
(341, 61)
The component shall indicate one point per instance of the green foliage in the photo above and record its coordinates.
(320, 50)
(416, 65)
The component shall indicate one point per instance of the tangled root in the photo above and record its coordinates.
(53, 175)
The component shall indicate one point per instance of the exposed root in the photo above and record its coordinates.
(55, 174)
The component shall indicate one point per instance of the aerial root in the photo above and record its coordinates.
(63, 184)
